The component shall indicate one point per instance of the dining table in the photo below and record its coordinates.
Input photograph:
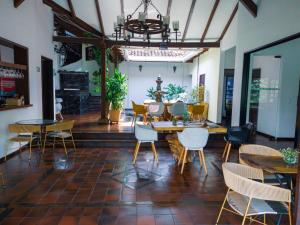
(174, 144)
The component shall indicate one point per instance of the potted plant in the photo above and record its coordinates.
(116, 91)
(290, 155)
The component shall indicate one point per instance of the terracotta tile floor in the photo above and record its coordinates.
(100, 186)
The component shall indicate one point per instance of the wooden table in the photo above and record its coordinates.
(269, 164)
(167, 126)
(175, 146)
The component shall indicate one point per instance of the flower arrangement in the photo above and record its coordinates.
(290, 155)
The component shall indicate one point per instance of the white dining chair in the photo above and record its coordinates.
(145, 134)
(193, 139)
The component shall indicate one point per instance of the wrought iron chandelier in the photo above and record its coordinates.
(145, 26)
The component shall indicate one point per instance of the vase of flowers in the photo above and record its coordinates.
(290, 155)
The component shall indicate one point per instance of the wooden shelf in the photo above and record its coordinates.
(13, 66)
(5, 108)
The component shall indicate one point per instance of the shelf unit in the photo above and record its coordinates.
(13, 66)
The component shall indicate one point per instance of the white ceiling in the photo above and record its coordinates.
(110, 9)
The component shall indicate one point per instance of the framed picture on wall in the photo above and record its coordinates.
(89, 53)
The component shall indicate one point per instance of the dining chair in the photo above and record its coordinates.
(156, 109)
(138, 110)
(236, 136)
(145, 134)
(178, 109)
(24, 133)
(261, 150)
(199, 111)
(248, 197)
(193, 139)
(61, 131)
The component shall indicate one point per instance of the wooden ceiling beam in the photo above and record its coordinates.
(229, 22)
(60, 10)
(169, 7)
(17, 3)
(188, 20)
(200, 53)
(71, 8)
(251, 6)
(109, 43)
(100, 20)
(62, 23)
(211, 16)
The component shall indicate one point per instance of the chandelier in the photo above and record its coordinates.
(145, 26)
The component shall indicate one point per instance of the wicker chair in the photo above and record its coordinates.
(144, 134)
(138, 110)
(199, 111)
(193, 139)
(61, 131)
(249, 198)
(263, 151)
(25, 133)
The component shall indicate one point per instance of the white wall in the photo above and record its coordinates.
(139, 82)
(289, 85)
(209, 64)
(30, 25)
(276, 19)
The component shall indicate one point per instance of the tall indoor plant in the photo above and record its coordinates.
(116, 91)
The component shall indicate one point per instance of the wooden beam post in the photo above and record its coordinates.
(169, 7)
(71, 8)
(103, 119)
(229, 21)
(188, 20)
(99, 17)
(251, 6)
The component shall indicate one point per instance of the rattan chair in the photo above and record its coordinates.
(138, 110)
(25, 133)
(156, 110)
(250, 198)
(263, 151)
(193, 139)
(144, 134)
(61, 131)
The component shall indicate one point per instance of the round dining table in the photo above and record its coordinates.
(41, 122)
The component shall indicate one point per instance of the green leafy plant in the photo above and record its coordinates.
(186, 117)
(198, 94)
(151, 93)
(290, 155)
(173, 91)
(116, 89)
(96, 82)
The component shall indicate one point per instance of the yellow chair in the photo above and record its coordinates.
(199, 111)
(62, 131)
(138, 110)
(25, 133)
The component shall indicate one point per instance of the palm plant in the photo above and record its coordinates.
(173, 91)
(116, 89)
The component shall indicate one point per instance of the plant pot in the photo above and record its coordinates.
(114, 116)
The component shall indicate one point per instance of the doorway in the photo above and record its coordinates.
(297, 139)
(227, 95)
(47, 88)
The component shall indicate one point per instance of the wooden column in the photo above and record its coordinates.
(103, 119)
(297, 145)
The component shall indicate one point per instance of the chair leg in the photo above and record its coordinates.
(183, 162)
(204, 163)
(74, 146)
(228, 152)
(290, 214)
(200, 158)
(53, 147)
(136, 151)
(44, 146)
(246, 212)
(30, 145)
(225, 150)
(134, 119)
(63, 140)
(180, 157)
(265, 219)
(154, 151)
(221, 210)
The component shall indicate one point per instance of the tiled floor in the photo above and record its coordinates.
(100, 186)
